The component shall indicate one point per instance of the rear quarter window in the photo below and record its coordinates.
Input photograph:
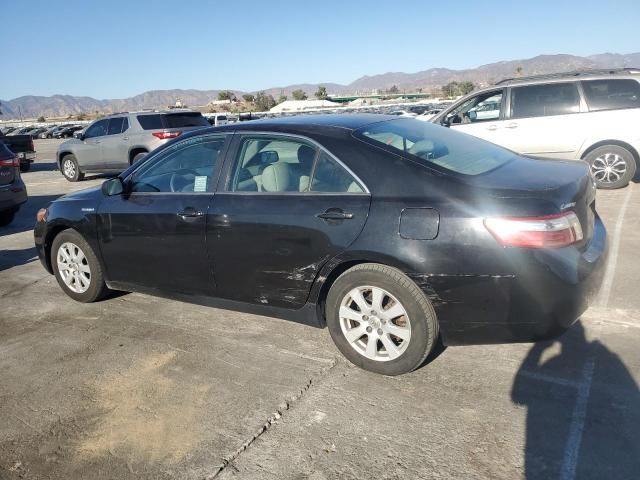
(611, 94)
(150, 122)
(435, 146)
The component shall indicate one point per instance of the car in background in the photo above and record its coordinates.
(48, 133)
(7, 130)
(19, 131)
(429, 114)
(35, 133)
(112, 144)
(590, 115)
(390, 231)
(217, 120)
(401, 113)
(22, 146)
(13, 192)
(67, 132)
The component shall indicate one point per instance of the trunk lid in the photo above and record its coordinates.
(534, 187)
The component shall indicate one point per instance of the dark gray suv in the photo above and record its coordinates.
(113, 143)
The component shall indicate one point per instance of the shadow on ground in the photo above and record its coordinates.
(26, 216)
(583, 410)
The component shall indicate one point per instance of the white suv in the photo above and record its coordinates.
(591, 116)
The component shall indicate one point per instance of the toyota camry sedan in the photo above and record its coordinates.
(393, 233)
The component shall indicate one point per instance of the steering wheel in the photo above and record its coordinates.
(182, 178)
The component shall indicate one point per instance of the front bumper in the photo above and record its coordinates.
(548, 292)
(13, 195)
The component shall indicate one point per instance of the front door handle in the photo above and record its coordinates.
(492, 127)
(190, 212)
(125, 138)
(335, 214)
(512, 125)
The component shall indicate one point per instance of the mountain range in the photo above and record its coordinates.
(428, 80)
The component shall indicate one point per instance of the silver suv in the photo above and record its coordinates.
(113, 143)
(589, 115)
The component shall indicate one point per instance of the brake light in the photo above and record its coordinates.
(166, 135)
(11, 162)
(551, 231)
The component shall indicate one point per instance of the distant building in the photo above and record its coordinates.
(214, 103)
(301, 105)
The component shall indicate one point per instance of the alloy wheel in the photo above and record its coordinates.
(608, 168)
(73, 267)
(69, 168)
(375, 323)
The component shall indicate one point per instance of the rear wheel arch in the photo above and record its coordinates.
(135, 151)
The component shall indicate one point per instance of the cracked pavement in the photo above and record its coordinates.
(143, 387)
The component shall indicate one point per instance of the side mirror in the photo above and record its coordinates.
(473, 115)
(113, 186)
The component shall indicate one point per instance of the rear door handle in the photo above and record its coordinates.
(492, 127)
(335, 214)
(512, 125)
(190, 212)
(125, 138)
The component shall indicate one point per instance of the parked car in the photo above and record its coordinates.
(35, 133)
(590, 116)
(67, 132)
(48, 132)
(22, 146)
(7, 130)
(112, 144)
(19, 131)
(217, 120)
(13, 191)
(390, 231)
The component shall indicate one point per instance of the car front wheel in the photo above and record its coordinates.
(70, 169)
(612, 166)
(77, 268)
(380, 320)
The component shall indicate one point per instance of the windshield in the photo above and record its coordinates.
(431, 144)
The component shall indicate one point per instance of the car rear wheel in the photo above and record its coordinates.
(77, 268)
(612, 166)
(70, 168)
(6, 217)
(380, 320)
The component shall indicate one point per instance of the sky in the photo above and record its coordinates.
(116, 49)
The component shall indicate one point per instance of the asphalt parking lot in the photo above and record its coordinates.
(142, 387)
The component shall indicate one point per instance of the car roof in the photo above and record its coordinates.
(348, 121)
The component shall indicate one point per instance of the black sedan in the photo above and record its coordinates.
(13, 192)
(391, 232)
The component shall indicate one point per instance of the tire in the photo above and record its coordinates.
(84, 278)
(25, 167)
(70, 169)
(6, 217)
(620, 162)
(417, 324)
(137, 157)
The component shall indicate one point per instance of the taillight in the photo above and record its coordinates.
(31, 147)
(552, 231)
(10, 162)
(166, 135)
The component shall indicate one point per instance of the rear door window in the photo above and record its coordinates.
(115, 126)
(544, 100)
(611, 94)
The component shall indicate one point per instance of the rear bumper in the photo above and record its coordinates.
(550, 290)
(26, 156)
(12, 195)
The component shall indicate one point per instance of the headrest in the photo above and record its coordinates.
(275, 178)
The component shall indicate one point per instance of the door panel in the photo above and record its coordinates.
(269, 248)
(89, 153)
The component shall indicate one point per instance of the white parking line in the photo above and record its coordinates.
(610, 272)
(572, 450)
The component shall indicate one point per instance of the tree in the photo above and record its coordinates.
(81, 116)
(519, 71)
(393, 89)
(450, 89)
(264, 102)
(282, 98)
(247, 97)
(466, 87)
(226, 95)
(41, 119)
(299, 95)
(321, 93)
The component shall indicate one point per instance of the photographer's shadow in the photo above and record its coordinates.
(583, 411)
